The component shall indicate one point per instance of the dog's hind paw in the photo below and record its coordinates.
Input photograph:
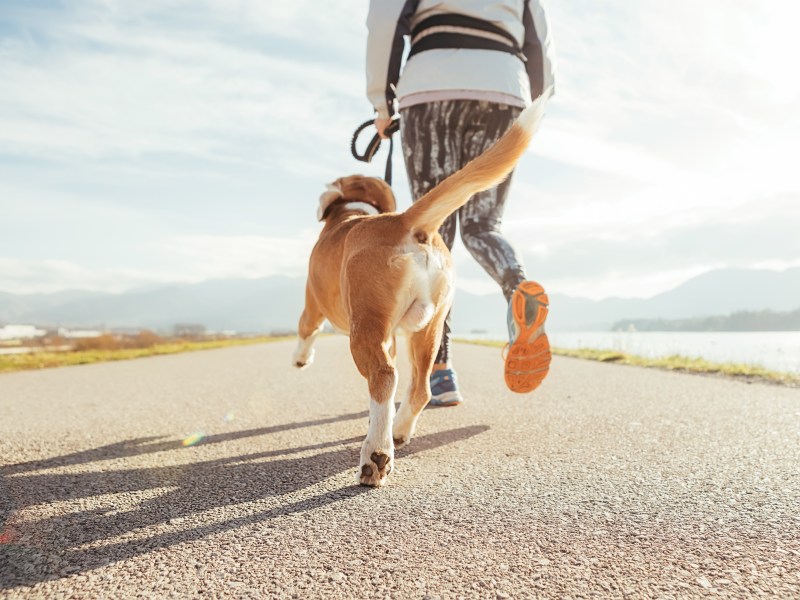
(303, 354)
(301, 359)
(404, 424)
(375, 471)
(399, 442)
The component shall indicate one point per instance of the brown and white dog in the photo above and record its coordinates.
(374, 271)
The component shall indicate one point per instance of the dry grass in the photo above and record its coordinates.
(671, 363)
(103, 349)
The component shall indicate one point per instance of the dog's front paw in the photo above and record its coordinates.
(375, 470)
(302, 357)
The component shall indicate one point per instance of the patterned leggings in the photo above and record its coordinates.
(438, 139)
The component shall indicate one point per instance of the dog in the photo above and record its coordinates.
(374, 271)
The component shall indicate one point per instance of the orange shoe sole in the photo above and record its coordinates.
(528, 358)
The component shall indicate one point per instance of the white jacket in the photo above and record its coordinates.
(456, 73)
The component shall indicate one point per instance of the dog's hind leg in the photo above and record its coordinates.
(422, 346)
(307, 331)
(374, 360)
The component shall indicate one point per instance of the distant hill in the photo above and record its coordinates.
(275, 303)
(238, 304)
(17, 307)
(720, 292)
(764, 320)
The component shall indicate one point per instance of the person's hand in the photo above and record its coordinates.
(381, 124)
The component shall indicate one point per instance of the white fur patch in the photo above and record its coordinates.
(405, 422)
(379, 435)
(381, 415)
(530, 118)
(417, 316)
(304, 353)
(427, 278)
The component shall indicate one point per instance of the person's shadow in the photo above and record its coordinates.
(34, 551)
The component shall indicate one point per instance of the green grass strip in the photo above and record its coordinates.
(670, 363)
(46, 360)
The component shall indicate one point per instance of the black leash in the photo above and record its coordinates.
(375, 144)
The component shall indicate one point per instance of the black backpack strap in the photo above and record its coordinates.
(465, 32)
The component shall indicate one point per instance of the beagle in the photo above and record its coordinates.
(375, 271)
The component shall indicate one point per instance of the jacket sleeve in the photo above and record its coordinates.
(538, 49)
(387, 21)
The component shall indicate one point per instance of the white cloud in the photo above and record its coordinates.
(627, 283)
(161, 125)
(678, 80)
(212, 257)
(200, 258)
(154, 90)
(45, 276)
(592, 153)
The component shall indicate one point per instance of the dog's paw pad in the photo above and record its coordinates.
(381, 460)
(374, 473)
(399, 442)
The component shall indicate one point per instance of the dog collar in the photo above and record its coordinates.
(362, 206)
(366, 207)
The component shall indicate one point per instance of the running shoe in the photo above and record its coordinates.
(528, 351)
(444, 388)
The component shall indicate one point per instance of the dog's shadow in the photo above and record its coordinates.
(50, 548)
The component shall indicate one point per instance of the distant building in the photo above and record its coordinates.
(189, 330)
(129, 331)
(79, 334)
(20, 332)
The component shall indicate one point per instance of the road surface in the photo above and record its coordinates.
(227, 473)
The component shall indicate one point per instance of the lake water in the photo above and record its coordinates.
(779, 351)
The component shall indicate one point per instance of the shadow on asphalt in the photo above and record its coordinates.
(47, 549)
(149, 445)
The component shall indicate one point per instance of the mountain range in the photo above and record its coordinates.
(274, 303)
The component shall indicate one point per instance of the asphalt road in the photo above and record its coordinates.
(608, 481)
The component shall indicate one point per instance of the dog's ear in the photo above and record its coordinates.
(332, 193)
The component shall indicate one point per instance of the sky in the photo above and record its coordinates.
(151, 142)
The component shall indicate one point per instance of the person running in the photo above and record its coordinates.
(472, 67)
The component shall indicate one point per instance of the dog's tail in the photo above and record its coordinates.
(428, 213)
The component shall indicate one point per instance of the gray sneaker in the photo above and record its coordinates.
(444, 388)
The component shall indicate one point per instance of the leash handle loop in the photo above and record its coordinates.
(372, 147)
(374, 144)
